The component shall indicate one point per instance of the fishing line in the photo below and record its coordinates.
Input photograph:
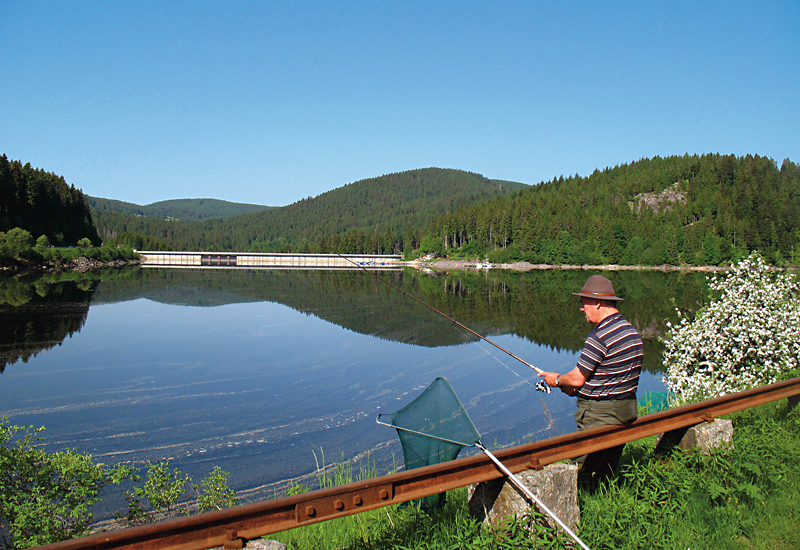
(487, 352)
(541, 386)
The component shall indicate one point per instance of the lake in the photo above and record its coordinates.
(268, 373)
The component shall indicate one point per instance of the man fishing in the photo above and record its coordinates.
(606, 376)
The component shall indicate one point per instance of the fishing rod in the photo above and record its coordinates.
(539, 386)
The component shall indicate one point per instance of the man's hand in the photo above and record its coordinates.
(550, 378)
(573, 379)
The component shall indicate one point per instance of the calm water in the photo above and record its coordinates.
(264, 372)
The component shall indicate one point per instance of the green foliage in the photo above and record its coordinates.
(408, 527)
(43, 204)
(137, 242)
(676, 210)
(431, 245)
(18, 244)
(158, 497)
(42, 243)
(214, 493)
(167, 493)
(45, 497)
(506, 255)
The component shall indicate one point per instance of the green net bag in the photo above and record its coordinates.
(433, 428)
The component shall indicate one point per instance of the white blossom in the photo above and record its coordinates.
(741, 340)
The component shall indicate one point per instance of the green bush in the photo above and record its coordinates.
(46, 497)
(506, 255)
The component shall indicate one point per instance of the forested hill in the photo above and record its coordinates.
(383, 213)
(177, 209)
(42, 203)
(701, 210)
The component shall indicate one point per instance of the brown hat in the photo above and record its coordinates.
(598, 287)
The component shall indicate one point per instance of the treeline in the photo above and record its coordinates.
(177, 209)
(384, 214)
(699, 210)
(42, 203)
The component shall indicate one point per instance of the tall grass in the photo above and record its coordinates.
(746, 496)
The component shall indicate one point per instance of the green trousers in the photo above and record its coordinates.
(590, 414)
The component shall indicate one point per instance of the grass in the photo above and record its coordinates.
(746, 496)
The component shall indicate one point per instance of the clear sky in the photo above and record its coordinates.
(272, 101)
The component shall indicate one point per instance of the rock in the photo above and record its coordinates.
(265, 544)
(706, 436)
(556, 486)
(260, 544)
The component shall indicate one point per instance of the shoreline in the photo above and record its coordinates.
(82, 264)
(448, 264)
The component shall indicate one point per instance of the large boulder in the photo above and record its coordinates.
(705, 436)
(556, 485)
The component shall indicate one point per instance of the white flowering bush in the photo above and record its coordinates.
(741, 340)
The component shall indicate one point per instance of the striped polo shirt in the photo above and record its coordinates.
(611, 360)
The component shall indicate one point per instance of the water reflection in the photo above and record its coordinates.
(261, 372)
(39, 313)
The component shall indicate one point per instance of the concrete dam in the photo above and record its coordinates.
(272, 260)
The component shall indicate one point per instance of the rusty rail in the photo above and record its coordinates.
(233, 526)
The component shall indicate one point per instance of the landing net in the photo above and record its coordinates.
(433, 428)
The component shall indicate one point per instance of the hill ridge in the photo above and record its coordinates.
(395, 206)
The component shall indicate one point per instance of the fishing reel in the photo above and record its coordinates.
(541, 385)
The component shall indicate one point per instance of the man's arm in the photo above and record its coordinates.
(569, 382)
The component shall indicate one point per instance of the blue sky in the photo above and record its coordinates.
(273, 101)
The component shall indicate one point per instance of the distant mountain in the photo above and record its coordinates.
(391, 209)
(177, 209)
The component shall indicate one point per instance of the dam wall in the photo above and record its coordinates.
(151, 258)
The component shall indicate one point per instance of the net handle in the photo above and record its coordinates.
(531, 497)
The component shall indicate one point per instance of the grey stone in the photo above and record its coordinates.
(265, 544)
(556, 486)
(714, 435)
(706, 436)
(259, 544)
